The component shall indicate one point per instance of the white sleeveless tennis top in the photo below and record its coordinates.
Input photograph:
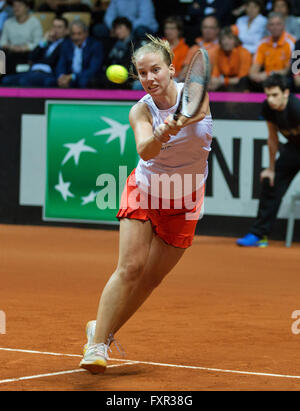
(183, 157)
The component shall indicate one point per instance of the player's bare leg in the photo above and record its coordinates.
(161, 260)
(137, 275)
(115, 302)
(135, 242)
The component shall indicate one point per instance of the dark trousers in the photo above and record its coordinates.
(286, 168)
(30, 79)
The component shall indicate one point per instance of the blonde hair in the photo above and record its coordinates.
(155, 45)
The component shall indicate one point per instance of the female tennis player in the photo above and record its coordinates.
(157, 221)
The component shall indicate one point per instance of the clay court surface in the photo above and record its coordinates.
(220, 321)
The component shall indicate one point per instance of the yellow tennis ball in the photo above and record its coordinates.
(117, 74)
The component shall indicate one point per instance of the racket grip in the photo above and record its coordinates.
(177, 112)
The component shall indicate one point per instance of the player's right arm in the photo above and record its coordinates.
(273, 143)
(148, 143)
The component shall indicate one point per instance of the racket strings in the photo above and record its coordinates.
(195, 84)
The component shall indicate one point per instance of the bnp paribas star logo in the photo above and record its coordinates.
(116, 130)
(83, 159)
(87, 143)
(74, 152)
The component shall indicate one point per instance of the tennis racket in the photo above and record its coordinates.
(195, 85)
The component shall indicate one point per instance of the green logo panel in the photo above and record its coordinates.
(85, 141)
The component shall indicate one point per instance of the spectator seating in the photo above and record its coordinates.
(84, 16)
(46, 19)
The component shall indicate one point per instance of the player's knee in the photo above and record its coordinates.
(131, 271)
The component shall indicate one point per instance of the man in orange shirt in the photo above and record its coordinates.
(210, 31)
(273, 54)
(232, 63)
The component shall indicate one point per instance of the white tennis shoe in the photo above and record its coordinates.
(90, 332)
(95, 358)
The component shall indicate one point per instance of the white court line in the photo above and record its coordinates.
(131, 362)
(40, 352)
(32, 377)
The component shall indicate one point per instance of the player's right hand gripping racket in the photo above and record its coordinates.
(195, 85)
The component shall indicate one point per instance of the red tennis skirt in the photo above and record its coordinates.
(174, 226)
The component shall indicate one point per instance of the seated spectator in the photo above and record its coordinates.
(173, 32)
(233, 63)
(210, 41)
(273, 54)
(20, 35)
(64, 6)
(222, 9)
(251, 28)
(98, 10)
(140, 13)
(295, 7)
(6, 11)
(200, 9)
(238, 9)
(292, 25)
(80, 59)
(44, 59)
(120, 53)
(166, 8)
